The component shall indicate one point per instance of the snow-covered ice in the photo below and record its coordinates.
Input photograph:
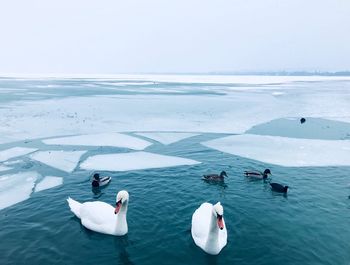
(15, 188)
(4, 168)
(133, 161)
(167, 137)
(48, 183)
(283, 151)
(231, 111)
(102, 139)
(15, 152)
(63, 160)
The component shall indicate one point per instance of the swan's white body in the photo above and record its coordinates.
(100, 217)
(205, 231)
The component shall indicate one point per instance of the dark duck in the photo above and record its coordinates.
(97, 181)
(258, 174)
(215, 177)
(279, 188)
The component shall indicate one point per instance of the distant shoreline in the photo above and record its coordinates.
(147, 75)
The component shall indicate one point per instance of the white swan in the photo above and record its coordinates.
(102, 217)
(208, 228)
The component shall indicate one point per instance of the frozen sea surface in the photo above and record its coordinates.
(63, 160)
(283, 151)
(102, 139)
(133, 161)
(74, 121)
(15, 152)
(167, 137)
(48, 183)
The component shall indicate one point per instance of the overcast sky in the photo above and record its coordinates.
(133, 36)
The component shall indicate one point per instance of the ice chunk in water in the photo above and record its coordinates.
(102, 139)
(63, 160)
(48, 183)
(289, 152)
(14, 152)
(133, 161)
(15, 188)
(167, 137)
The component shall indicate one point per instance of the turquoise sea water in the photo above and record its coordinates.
(307, 226)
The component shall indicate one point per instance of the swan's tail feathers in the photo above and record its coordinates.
(74, 206)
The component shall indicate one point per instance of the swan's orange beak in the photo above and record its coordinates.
(220, 222)
(117, 207)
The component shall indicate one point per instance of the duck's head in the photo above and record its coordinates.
(223, 174)
(122, 198)
(96, 176)
(267, 172)
(286, 188)
(219, 212)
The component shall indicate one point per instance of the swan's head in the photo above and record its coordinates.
(122, 198)
(219, 212)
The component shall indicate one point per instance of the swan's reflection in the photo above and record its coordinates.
(211, 260)
(121, 244)
(216, 183)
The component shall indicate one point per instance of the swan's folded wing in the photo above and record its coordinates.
(97, 212)
(201, 222)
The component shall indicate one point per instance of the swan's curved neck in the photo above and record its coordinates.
(121, 216)
(213, 235)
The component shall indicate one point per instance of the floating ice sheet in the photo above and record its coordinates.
(283, 151)
(15, 188)
(63, 160)
(48, 183)
(14, 152)
(133, 161)
(167, 137)
(102, 139)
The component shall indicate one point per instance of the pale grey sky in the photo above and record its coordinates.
(130, 36)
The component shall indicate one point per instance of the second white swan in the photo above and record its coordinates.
(208, 228)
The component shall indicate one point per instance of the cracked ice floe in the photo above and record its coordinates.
(63, 160)
(283, 151)
(14, 152)
(167, 137)
(102, 139)
(4, 168)
(133, 161)
(48, 183)
(15, 188)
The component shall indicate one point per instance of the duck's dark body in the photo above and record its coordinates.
(258, 174)
(279, 188)
(215, 177)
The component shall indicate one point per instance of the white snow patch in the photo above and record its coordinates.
(63, 160)
(283, 151)
(15, 188)
(48, 183)
(133, 161)
(14, 152)
(102, 139)
(167, 137)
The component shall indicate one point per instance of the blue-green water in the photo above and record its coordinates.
(307, 226)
